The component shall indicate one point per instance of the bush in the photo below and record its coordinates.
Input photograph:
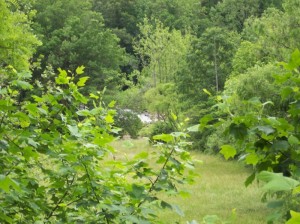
(129, 122)
(146, 131)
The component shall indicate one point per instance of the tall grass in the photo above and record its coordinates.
(218, 190)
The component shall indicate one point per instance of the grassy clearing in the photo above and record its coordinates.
(218, 190)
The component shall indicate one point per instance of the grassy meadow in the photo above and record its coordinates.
(218, 190)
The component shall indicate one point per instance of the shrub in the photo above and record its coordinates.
(161, 127)
(129, 122)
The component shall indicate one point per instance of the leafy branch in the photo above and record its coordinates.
(62, 197)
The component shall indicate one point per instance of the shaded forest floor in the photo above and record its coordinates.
(218, 190)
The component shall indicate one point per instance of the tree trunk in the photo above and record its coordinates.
(216, 66)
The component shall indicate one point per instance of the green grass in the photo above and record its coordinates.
(218, 190)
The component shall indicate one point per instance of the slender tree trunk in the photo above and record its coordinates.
(216, 66)
(154, 76)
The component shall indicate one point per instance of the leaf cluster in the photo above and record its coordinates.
(271, 143)
(57, 164)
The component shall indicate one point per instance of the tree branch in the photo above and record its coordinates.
(61, 199)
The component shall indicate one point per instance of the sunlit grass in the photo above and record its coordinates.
(219, 189)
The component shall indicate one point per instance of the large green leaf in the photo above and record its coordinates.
(6, 183)
(137, 191)
(62, 77)
(82, 81)
(80, 70)
(228, 151)
(252, 158)
(250, 179)
(194, 128)
(293, 140)
(23, 84)
(204, 121)
(276, 182)
(267, 129)
(164, 137)
(239, 131)
(294, 60)
(74, 130)
(295, 219)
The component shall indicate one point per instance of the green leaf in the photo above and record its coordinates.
(277, 182)
(174, 116)
(138, 191)
(228, 151)
(164, 137)
(74, 131)
(267, 129)
(78, 96)
(282, 78)
(294, 60)
(239, 131)
(194, 128)
(165, 205)
(111, 104)
(93, 96)
(280, 145)
(295, 218)
(62, 77)
(250, 179)
(79, 70)
(204, 121)
(84, 113)
(33, 143)
(293, 140)
(82, 81)
(286, 92)
(207, 92)
(296, 190)
(22, 84)
(142, 155)
(29, 153)
(109, 119)
(6, 183)
(252, 159)
(5, 218)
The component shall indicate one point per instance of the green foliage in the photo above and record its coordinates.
(17, 42)
(161, 127)
(256, 84)
(129, 122)
(284, 190)
(79, 37)
(232, 13)
(56, 163)
(295, 218)
(175, 14)
(271, 143)
(248, 55)
(132, 98)
(161, 50)
(122, 17)
(208, 66)
(162, 99)
(275, 33)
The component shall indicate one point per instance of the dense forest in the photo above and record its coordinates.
(216, 76)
